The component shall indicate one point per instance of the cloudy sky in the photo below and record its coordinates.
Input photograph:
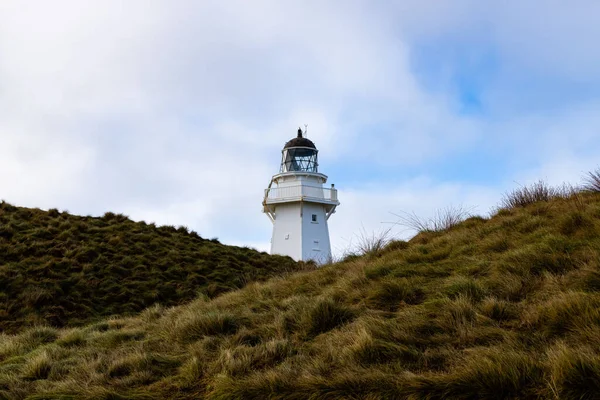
(176, 111)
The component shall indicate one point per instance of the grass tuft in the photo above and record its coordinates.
(498, 310)
(592, 181)
(38, 367)
(194, 325)
(467, 287)
(369, 244)
(488, 374)
(443, 219)
(565, 313)
(575, 373)
(574, 222)
(368, 351)
(390, 294)
(537, 192)
(324, 316)
(72, 338)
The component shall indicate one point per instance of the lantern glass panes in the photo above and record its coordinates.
(299, 159)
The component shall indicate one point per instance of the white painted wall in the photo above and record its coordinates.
(292, 179)
(287, 231)
(315, 235)
(294, 232)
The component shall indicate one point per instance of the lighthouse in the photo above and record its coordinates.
(298, 205)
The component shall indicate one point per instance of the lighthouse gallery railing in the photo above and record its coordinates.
(300, 192)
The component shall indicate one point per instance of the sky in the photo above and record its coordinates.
(175, 112)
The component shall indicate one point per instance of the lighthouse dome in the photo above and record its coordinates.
(299, 155)
(300, 141)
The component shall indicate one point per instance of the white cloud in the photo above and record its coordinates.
(176, 112)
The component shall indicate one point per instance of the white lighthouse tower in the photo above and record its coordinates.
(298, 204)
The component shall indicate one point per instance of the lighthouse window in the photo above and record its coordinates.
(314, 218)
(299, 159)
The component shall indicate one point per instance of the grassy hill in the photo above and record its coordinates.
(60, 269)
(495, 308)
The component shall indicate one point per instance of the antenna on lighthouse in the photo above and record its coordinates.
(306, 130)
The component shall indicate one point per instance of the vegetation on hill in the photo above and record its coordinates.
(500, 307)
(60, 269)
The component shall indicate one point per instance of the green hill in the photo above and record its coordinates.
(60, 269)
(495, 308)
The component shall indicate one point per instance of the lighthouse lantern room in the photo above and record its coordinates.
(298, 205)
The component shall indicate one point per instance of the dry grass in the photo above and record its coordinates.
(443, 219)
(574, 373)
(368, 244)
(592, 181)
(502, 308)
(537, 192)
(64, 270)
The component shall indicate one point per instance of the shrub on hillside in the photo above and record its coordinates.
(369, 244)
(442, 220)
(537, 192)
(592, 181)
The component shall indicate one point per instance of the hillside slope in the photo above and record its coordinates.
(61, 269)
(505, 307)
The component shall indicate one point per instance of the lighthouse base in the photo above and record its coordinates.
(300, 231)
